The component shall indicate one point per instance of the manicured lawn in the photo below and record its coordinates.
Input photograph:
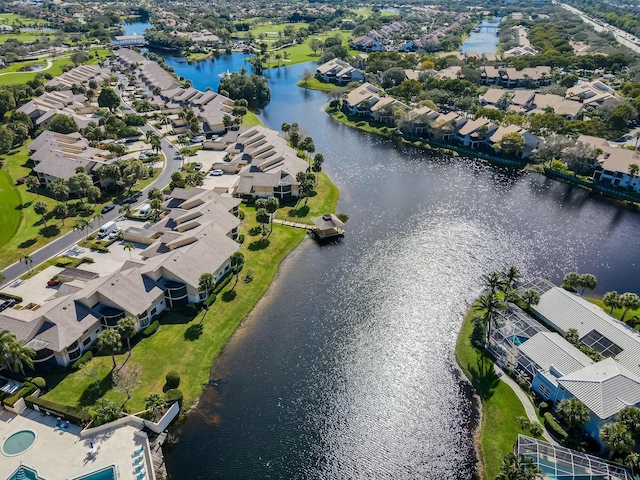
(251, 120)
(190, 345)
(269, 30)
(30, 234)
(617, 312)
(360, 123)
(10, 214)
(500, 405)
(196, 57)
(303, 53)
(366, 12)
(25, 37)
(23, 77)
(315, 84)
(11, 18)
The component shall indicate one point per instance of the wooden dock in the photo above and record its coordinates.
(287, 223)
(158, 457)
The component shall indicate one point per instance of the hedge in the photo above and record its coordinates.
(173, 379)
(25, 390)
(151, 329)
(224, 282)
(174, 395)
(554, 427)
(85, 358)
(39, 382)
(7, 296)
(73, 414)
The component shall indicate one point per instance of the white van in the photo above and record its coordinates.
(106, 229)
(144, 210)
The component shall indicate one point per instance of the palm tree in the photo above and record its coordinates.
(109, 342)
(19, 356)
(206, 283)
(571, 281)
(129, 246)
(127, 329)
(237, 262)
(518, 467)
(509, 277)
(492, 282)
(573, 413)
(41, 208)
(531, 298)
(611, 299)
(587, 280)
(28, 260)
(491, 306)
(98, 216)
(629, 301)
(617, 438)
(155, 404)
(33, 183)
(634, 168)
(637, 135)
(6, 339)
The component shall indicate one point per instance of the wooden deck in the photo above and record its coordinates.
(158, 457)
(293, 224)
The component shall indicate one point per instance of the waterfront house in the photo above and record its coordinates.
(556, 369)
(475, 132)
(339, 72)
(418, 120)
(613, 163)
(531, 141)
(262, 160)
(327, 227)
(192, 238)
(384, 110)
(360, 100)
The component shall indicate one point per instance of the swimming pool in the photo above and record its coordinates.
(107, 473)
(18, 442)
(24, 473)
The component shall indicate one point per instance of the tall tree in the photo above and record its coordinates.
(490, 306)
(28, 261)
(612, 300)
(492, 281)
(237, 262)
(518, 467)
(630, 418)
(510, 276)
(128, 246)
(20, 356)
(571, 281)
(206, 283)
(127, 328)
(617, 438)
(587, 280)
(629, 301)
(41, 209)
(108, 99)
(573, 414)
(531, 298)
(109, 343)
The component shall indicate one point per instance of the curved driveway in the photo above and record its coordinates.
(66, 241)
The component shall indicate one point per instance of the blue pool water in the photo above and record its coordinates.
(108, 473)
(24, 473)
(18, 442)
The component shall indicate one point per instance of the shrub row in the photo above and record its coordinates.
(554, 427)
(84, 359)
(25, 390)
(151, 329)
(75, 415)
(224, 282)
(7, 296)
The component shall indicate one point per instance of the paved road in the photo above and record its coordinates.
(598, 25)
(68, 240)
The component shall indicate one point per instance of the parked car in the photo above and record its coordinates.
(107, 208)
(198, 139)
(115, 233)
(198, 166)
(4, 304)
(216, 173)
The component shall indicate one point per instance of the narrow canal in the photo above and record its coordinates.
(345, 369)
(486, 40)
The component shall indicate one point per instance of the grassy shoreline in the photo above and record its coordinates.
(498, 430)
(315, 84)
(191, 345)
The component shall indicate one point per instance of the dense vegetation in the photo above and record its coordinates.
(252, 88)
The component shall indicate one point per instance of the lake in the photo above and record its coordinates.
(345, 369)
(485, 40)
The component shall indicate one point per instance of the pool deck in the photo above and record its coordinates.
(59, 456)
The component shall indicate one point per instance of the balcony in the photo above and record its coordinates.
(109, 316)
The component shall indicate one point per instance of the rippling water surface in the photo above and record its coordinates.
(345, 369)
